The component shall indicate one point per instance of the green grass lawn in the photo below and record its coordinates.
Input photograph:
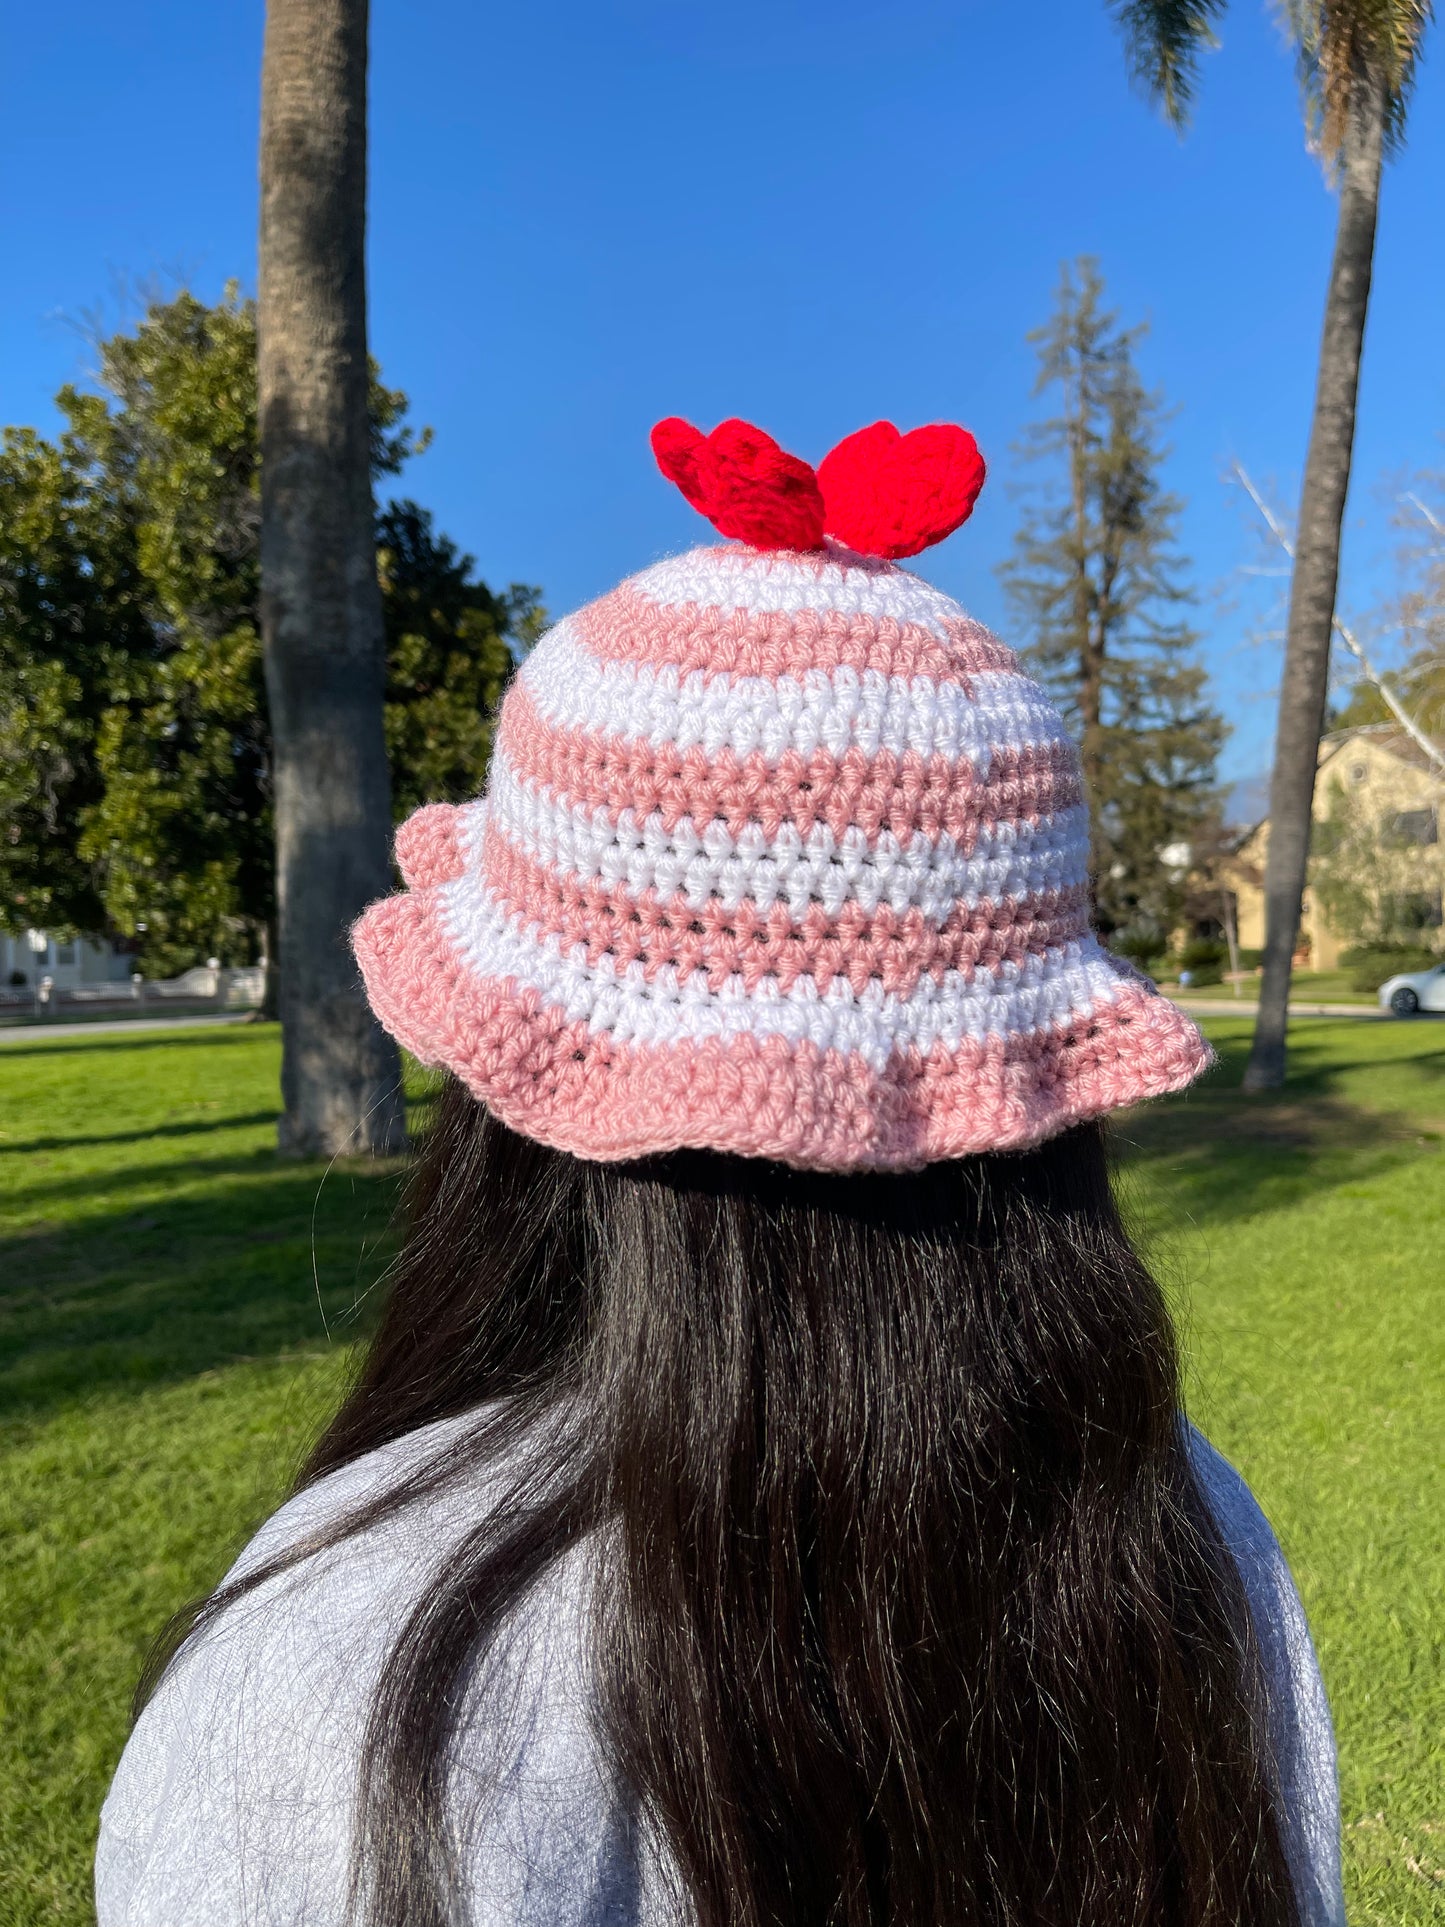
(1305, 987)
(178, 1307)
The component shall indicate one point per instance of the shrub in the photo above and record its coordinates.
(1142, 943)
(1370, 964)
(1200, 953)
(1250, 959)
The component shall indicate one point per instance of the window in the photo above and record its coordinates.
(64, 954)
(1415, 826)
(1359, 772)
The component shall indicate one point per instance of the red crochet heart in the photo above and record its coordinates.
(744, 484)
(894, 495)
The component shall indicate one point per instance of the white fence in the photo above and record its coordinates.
(193, 992)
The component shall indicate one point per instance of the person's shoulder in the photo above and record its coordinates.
(335, 1564)
(1259, 1558)
(1237, 1513)
(316, 1510)
(235, 1785)
(1301, 1734)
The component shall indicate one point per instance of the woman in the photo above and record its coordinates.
(766, 1501)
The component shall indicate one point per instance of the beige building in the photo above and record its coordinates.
(1386, 777)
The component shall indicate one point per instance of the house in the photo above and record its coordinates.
(29, 955)
(1390, 782)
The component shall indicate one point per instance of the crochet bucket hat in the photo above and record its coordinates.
(781, 853)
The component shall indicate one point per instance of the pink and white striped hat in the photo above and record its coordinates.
(781, 854)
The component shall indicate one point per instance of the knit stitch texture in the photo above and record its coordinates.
(781, 854)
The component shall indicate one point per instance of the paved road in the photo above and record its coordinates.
(1247, 1007)
(1201, 1006)
(37, 1033)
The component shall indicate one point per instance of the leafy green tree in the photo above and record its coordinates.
(450, 648)
(1097, 585)
(1357, 63)
(1419, 684)
(70, 609)
(135, 747)
(180, 835)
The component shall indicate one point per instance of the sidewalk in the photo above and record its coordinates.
(82, 1027)
(1249, 1006)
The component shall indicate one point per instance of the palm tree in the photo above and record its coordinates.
(320, 603)
(1357, 62)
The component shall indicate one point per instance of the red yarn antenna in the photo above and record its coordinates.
(744, 484)
(878, 492)
(896, 495)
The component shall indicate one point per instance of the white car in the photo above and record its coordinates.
(1414, 990)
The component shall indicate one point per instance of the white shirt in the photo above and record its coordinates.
(232, 1804)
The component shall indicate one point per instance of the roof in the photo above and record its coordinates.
(1388, 737)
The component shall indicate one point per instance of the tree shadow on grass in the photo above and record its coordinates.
(183, 1175)
(1232, 1155)
(135, 1264)
(16, 1147)
(232, 1036)
(248, 1257)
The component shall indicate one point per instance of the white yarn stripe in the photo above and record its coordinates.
(765, 584)
(1059, 986)
(833, 709)
(640, 853)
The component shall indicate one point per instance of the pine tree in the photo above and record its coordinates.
(1098, 588)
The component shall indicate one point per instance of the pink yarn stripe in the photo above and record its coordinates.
(583, 1092)
(904, 794)
(748, 941)
(429, 845)
(627, 626)
(833, 558)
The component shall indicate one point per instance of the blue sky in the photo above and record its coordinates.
(588, 216)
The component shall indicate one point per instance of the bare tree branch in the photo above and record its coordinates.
(1429, 514)
(1345, 633)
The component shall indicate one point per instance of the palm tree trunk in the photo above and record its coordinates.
(1305, 683)
(320, 604)
(270, 1010)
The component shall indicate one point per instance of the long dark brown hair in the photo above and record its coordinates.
(912, 1611)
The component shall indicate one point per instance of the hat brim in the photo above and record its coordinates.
(585, 1091)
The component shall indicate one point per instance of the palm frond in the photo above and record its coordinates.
(1346, 48)
(1163, 40)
